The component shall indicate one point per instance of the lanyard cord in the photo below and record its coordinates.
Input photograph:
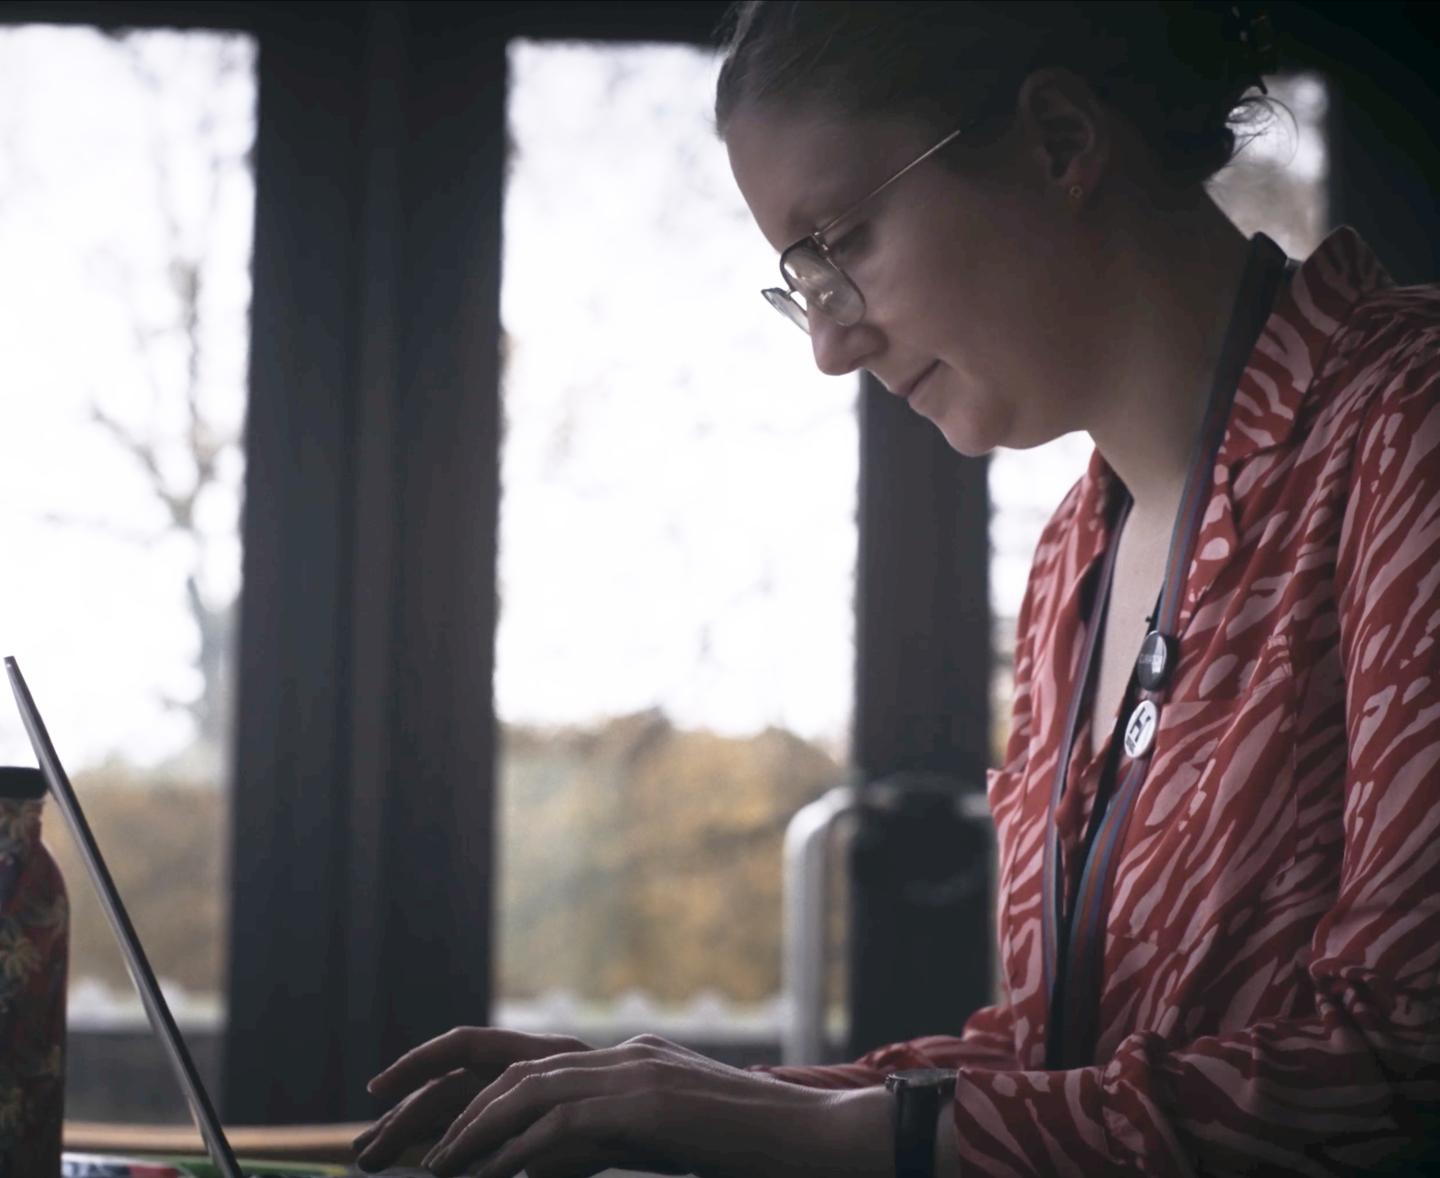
(1073, 935)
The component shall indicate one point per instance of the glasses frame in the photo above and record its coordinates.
(783, 298)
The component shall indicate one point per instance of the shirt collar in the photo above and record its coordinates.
(1290, 353)
(1287, 362)
(1288, 358)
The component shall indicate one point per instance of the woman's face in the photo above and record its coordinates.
(980, 281)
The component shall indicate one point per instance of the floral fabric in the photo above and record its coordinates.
(34, 931)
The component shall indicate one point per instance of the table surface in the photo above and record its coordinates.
(295, 1143)
(299, 1143)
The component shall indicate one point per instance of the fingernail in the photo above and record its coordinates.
(370, 1087)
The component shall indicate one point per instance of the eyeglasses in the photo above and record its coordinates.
(811, 271)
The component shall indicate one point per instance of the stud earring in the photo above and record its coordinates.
(1076, 192)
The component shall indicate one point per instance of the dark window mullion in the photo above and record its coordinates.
(291, 792)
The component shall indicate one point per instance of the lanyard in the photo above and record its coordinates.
(1074, 938)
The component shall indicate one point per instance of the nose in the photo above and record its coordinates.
(839, 350)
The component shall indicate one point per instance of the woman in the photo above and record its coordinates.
(1217, 816)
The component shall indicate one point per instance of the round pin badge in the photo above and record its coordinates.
(1153, 666)
(1140, 731)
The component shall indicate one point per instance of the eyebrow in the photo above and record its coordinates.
(803, 220)
(839, 202)
(832, 201)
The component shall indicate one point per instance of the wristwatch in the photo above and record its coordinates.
(918, 1095)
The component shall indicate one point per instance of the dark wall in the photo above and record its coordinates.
(1383, 63)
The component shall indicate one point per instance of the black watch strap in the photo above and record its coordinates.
(919, 1095)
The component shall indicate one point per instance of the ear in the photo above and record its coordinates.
(1065, 129)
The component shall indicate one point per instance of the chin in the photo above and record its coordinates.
(969, 434)
(972, 423)
(965, 444)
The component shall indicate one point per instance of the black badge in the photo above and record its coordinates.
(1157, 655)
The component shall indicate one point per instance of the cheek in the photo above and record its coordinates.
(1001, 388)
(973, 419)
(927, 294)
(991, 305)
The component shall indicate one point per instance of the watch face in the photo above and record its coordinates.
(920, 1078)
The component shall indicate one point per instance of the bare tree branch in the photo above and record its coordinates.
(105, 527)
(179, 504)
(187, 243)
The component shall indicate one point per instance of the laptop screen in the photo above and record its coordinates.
(156, 1008)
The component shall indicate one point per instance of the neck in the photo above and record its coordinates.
(1174, 286)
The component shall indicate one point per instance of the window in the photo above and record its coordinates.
(677, 556)
(126, 206)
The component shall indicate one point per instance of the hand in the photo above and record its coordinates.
(438, 1080)
(645, 1105)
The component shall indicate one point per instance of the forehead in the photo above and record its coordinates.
(796, 171)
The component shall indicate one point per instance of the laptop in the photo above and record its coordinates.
(156, 1008)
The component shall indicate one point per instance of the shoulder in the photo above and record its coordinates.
(1388, 351)
(1393, 360)
(1375, 393)
(1399, 317)
(1386, 379)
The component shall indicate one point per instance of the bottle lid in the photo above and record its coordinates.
(24, 784)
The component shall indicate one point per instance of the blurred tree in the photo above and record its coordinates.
(185, 450)
(164, 842)
(648, 858)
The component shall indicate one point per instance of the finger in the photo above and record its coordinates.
(422, 1114)
(578, 1163)
(666, 1046)
(481, 1049)
(571, 1161)
(573, 1140)
(609, 1057)
(368, 1135)
(535, 1097)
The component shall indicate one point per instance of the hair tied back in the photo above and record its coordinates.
(1248, 25)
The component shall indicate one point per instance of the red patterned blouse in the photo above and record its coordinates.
(1270, 1001)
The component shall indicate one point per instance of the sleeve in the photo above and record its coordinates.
(988, 1038)
(1354, 1087)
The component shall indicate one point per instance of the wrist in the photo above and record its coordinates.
(922, 1115)
(864, 1130)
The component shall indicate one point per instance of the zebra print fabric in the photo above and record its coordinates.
(1270, 1002)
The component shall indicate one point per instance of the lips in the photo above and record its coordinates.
(905, 391)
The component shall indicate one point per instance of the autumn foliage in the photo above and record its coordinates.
(632, 856)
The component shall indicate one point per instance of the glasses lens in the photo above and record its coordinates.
(787, 304)
(822, 285)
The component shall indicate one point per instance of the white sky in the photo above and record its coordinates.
(679, 482)
(97, 620)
